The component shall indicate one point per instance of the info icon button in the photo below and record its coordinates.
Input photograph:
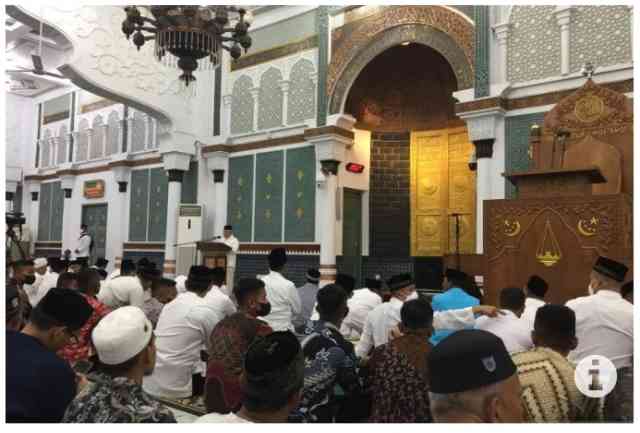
(595, 376)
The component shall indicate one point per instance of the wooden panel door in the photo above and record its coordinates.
(352, 234)
(95, 217)
(441, 185)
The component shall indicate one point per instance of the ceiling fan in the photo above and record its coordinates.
(38, 68)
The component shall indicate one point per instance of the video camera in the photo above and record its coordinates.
(14, 219)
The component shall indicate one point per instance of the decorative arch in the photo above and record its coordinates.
(242, 105)
(62, 144)
(82, 151)
(97, 139)
(270, 99)
(46, 148)
(438, 27)
(302, 92)
(113, 133)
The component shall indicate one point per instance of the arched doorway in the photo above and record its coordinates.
(420, 176)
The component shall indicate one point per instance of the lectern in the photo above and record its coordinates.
(214, 254)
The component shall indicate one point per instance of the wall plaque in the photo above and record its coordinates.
(94, 189)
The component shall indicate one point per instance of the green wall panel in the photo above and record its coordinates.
(300, 195)
(283, 32)
(269, 196)
(44, 212)
(517, 138)
(139, 200)
(158, 194)
(190, 184)
(57, 212)
(240, 199)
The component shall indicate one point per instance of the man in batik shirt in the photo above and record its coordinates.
(229, 342)
(549, 392)
(126, 351)
(331, 382)
(398, 369)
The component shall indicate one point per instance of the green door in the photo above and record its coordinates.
(352, 234)
(95, 217)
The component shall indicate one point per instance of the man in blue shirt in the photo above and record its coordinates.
(453, 298)
(40, 385)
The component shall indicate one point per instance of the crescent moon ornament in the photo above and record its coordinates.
(589, 231)
(512, 228)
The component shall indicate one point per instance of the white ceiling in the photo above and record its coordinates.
(21, 42)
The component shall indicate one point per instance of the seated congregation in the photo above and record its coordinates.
(84, 347)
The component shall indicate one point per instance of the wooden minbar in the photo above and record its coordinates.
(573, 204)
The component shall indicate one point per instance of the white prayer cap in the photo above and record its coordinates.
(180, 283)
(40, 262)
(121, 335)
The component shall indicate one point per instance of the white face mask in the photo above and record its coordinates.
(412, 296)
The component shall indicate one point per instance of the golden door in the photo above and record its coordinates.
(442, 185)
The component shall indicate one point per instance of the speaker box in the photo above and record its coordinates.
(428, 272)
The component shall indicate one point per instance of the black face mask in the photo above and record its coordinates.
(346, 312)
(264, 309)
(29, 279)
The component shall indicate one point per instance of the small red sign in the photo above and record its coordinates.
(355, 168)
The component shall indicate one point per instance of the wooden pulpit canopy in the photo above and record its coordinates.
(574, 203)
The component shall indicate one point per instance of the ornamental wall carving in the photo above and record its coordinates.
(356, 43)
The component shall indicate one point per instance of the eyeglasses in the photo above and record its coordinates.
(75, 338)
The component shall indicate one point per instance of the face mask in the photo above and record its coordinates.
(412, 296)
(346, 312)
(30, 279)
(264, 309)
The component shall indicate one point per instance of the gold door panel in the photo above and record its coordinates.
(441, 185)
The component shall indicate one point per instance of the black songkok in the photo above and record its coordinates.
(347, 282)
(274, 362)
(102, 262)
(455, 275)
(67, 307)
(277, 258)
(372, 283)
(399, 281)
(468, 359)
(610, 268)
(537, 286)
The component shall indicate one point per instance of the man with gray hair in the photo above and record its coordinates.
(473, 379)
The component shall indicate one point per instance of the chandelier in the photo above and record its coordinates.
(189, 36)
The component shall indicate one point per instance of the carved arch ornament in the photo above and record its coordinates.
(437, 27)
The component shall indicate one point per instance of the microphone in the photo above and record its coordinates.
(217, 237)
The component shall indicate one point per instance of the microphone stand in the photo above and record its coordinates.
(457, 217)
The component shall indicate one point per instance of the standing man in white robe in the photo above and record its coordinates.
(83, 248)
(232, 242)
(281, 293)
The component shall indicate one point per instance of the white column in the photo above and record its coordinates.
(486, 132)
(34, 209)
(284, 86)
(147, 126)
(501, 32)
(175, 163)
(69, 231)
(255, 94)
(75, 135)
(563, 17)
(122, 176)
(67, 147)
(173, 199)
(218, 167)
(330, 151)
